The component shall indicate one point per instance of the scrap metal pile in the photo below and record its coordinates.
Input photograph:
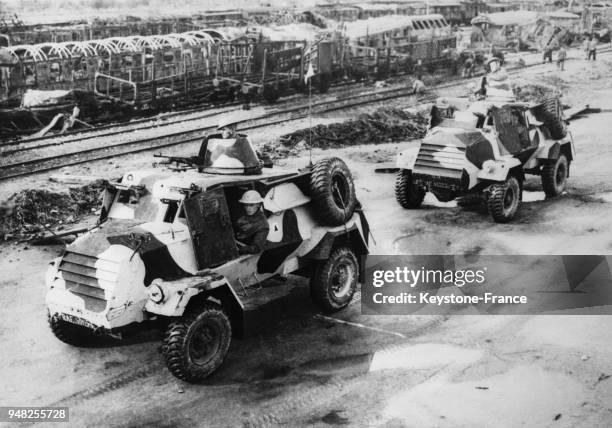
(383, 126)
(32, 211)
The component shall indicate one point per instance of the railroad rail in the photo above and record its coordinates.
(8, 148)
(103, 150)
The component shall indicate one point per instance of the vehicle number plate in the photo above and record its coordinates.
(76, 320)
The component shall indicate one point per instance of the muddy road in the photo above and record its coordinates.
(302, 369)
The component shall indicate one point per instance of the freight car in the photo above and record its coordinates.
(403, 41)
(17, 33)
(98, 29)
(151, 73)
(130, 74)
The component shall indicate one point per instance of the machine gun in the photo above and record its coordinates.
(181, 162)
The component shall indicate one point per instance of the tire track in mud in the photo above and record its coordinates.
(114, 383)
(302, 400)
(334, 387)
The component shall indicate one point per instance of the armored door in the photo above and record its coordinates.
(211, 228)
(511, 129)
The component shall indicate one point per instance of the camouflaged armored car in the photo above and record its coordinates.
(481, 152)
(164, 252)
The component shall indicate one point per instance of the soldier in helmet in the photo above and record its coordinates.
(252, 228)
(228, 151)
(495, 86)
(226, 128)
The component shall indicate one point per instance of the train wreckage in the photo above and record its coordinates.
(152, 73)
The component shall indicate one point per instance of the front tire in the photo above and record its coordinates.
(554, 176)
(334, 281)
(68, 333)
(196, 344)
(504, 200)
(407, 194)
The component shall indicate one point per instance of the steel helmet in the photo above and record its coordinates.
(251, 197)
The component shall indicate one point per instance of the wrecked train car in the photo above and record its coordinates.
(401, 42)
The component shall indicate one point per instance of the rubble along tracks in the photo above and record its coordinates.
(104, 150)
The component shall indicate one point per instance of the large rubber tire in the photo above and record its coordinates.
(504, 200)
(554, 176)
(196, 344)
(553, 118)
(333, 191)
(407, 194)
(70, 334)
(334, 281)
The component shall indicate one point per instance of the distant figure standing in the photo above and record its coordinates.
(592, 49)
(561, 55)
(547, 54)
(585, 48)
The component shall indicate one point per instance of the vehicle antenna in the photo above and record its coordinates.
(308, 80)
(310, 120)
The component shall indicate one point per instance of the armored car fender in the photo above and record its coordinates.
(497, 169)
(549, 149)
(406, 158)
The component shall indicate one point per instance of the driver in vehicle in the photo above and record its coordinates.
(252, 228)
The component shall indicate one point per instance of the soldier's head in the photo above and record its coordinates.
(251, 200)
(227, 126)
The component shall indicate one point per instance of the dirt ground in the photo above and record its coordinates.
(303, 369)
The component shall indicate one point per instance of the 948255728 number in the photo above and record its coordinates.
(34, 414)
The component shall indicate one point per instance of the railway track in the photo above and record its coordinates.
(103, 150)
(11, 168)
(200, 112)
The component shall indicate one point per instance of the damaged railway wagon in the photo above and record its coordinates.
(127, 75)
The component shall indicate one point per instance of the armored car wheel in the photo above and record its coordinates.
(196, 344)
(69, 333)
(554, 176)
(335, 280)
(333, 191)
(407, 194)
(504, 200)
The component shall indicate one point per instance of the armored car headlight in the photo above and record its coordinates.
(489, 166)
(156, 293)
